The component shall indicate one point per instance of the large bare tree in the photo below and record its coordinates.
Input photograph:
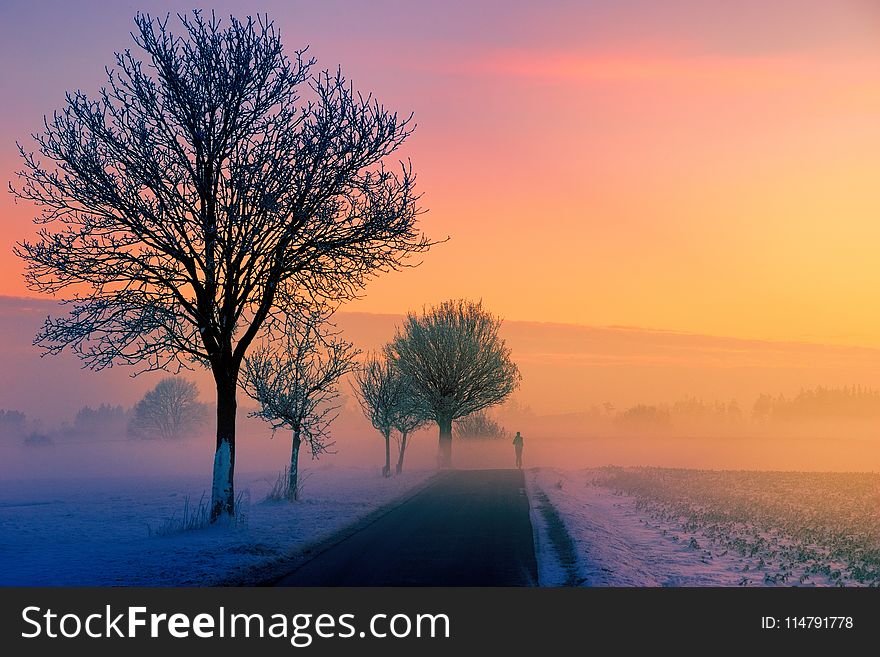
(296, 383)
(380, 391)
(211, 184)
(456, 363)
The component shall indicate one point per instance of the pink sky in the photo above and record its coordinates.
(701, 166)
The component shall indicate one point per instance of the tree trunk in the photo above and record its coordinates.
(223, 489)
(444, 454)
(386, 469)
(399, 467)
(292, 491)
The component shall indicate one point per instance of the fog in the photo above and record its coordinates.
(590, 396)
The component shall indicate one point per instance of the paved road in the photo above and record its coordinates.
(467, 528)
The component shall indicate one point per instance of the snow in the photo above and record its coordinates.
(102, 531)
(617, 545)
(97, 532)
(222, 460)
(553, 570)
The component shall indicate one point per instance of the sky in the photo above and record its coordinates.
(567, 369)
(691, 165)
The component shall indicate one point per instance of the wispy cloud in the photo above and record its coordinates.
(667, 66)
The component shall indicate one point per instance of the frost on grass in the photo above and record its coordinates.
(196, 517)
(134, 531)
(669, 527)
(280, 491)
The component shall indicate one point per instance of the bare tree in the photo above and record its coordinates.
(380, 391)
(296, 384)
(456, 364)
(168, 411)
(479, 425)
(409, 418)
(210, 185)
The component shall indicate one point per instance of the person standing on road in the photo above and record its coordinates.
(518, 446)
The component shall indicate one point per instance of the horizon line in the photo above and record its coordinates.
(551, 323)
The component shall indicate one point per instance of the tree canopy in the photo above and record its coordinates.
(170, 410)
(296, 382)
(207, 192)
(455, 363)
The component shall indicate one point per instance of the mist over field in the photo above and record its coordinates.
(590, 396)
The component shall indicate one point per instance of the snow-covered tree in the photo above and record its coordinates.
(455, 363)
(296, 383)
(212, 183)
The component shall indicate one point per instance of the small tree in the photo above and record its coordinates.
(479, 425)
(456, 364)
(409, 418)
(380, 390)
(212, 182)
(168, 411)
(297, 388)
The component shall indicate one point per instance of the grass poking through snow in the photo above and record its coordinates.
(195, 517)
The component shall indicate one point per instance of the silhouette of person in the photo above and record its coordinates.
(518, 445)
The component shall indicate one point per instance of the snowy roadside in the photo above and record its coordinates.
(616, 544)
(554, 550)
(97, 533)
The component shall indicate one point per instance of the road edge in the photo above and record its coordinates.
(551, 538)
(271, 572)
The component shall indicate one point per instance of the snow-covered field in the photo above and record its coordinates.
(666, 527)
(101, 532)
(594, 527)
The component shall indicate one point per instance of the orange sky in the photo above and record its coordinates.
(705, 166)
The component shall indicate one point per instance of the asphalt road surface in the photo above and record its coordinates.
(466, 528)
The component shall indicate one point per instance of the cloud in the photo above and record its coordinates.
(669, 66)
(638, 67)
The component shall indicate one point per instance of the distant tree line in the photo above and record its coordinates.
(690, 413)
(170, 410)
(12, 423)
(846, 402)
(815, 409)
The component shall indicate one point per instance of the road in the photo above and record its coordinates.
(466, 528)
